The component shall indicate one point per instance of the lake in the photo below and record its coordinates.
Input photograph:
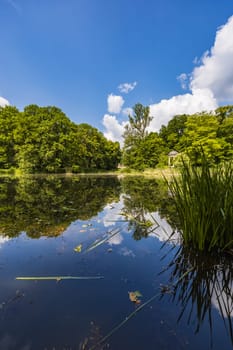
(85, 263)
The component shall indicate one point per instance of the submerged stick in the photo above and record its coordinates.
(99, 242)
(59, 278)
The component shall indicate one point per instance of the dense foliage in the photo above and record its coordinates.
(211, 133)
(43, 139)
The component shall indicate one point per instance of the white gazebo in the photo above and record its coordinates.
(171, 156)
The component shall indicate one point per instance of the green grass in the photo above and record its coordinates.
(203, 198)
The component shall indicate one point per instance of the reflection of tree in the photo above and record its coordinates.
(209, 283)
(142, 196)
(47, 205)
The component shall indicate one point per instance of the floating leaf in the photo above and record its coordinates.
(78, 249)
(82, 230)
(134, 297)
(138, 294)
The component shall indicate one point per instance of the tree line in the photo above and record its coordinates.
(190, 135)
(44, 139)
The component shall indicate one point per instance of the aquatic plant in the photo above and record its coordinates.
(203, 197)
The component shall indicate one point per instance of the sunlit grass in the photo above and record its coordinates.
(203, 198)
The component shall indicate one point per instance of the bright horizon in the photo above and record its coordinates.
(96, 59)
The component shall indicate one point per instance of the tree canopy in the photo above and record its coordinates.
(44, 139)
(211, 133)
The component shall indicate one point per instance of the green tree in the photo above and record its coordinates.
(173, 132)
(41, 139)
(134, 135)
(200, 135)
(8, 122)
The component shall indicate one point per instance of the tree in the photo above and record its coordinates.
(173, 132)
(135, 133)
(41, 137)
(200, 135)
(8, 120)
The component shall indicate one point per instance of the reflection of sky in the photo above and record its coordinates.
(112, 213)
(116, 240)
(8, 342)
(127, 252)
(3, 240)
(163, 230)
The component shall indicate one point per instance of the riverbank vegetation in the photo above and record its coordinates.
(203, 197)
(186, 134)
(44, 139)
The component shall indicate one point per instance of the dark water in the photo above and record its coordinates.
(42, 221)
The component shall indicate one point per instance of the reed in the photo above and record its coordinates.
(203, 197)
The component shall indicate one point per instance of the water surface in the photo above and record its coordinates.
(115, 230)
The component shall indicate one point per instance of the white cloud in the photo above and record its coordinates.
(114, 129)
(216, 69)
(183, 79)
(128, 110)
(197, 101)
(3, 102)
(127, 87)
(210, 83)
(115, 103)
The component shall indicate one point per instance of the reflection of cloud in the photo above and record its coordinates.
(3, 240)
(163, 231)
(115, 240)
(127, 252)
(112, 213)
(222, 297)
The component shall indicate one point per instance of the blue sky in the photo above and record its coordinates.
(74, 54)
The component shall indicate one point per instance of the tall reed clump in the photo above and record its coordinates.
(203, 197)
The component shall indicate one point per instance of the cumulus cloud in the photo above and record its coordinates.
(197, 101)
(127, 87)
(210, 83)
(3, 102)
(128, 110)
(216, 69)
(115, 103)
(183, 79)
(114, 129)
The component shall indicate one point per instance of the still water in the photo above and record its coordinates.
(113, 233)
